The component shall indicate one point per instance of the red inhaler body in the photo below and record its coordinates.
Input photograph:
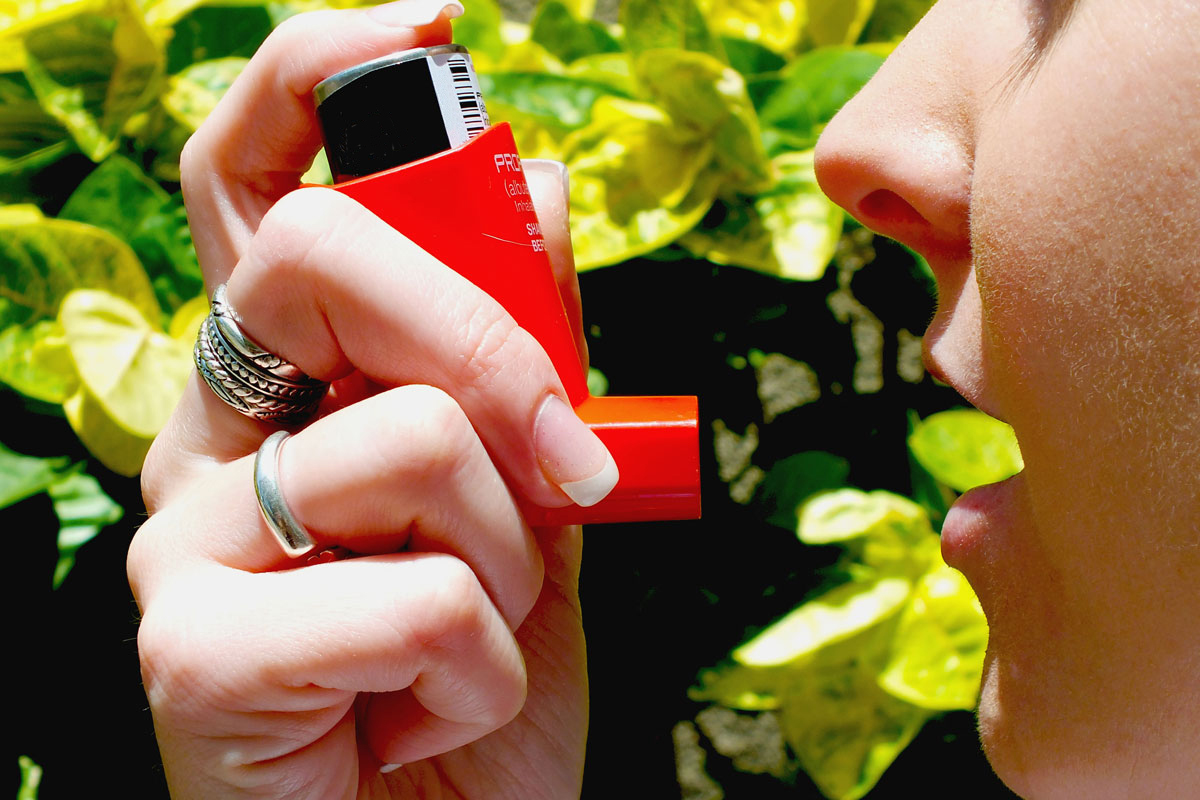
(469, 207)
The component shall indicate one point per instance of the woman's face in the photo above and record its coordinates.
(1044, 155)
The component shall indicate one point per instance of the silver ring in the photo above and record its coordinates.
(294, 537)
(257, 383)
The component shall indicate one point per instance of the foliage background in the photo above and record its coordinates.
(782, 366)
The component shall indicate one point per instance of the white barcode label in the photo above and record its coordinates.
(458, 96)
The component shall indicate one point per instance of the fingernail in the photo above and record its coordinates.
(571, 456)
(415, 13)
(386, 768)
(555, 169)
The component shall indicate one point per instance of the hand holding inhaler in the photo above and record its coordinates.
(452, 644)
(408, 136)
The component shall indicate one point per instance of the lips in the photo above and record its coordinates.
(978, 516)
(981, 514)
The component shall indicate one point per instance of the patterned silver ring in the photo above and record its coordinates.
(294, 537)
(257, 383)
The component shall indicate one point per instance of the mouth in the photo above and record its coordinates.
(979, 517)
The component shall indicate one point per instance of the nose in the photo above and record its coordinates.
(897, 156)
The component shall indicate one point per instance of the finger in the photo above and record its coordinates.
(550, 192)
(401, 469)
(303, 643)
(262, 136)
(330, 287)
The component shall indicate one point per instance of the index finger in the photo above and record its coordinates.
(261, 137)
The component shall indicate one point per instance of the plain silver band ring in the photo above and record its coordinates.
(294, 537)
(252, 380)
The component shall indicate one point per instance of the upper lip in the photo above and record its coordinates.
(969, 393)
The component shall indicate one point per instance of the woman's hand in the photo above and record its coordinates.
(453, 645)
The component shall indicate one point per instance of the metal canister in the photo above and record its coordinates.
(399, 108)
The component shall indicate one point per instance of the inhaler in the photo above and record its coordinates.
(408, 137)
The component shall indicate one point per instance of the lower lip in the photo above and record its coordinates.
(974, 519)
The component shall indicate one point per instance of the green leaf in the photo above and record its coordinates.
(479, 32)
(83, 509)
(42, 259)
(792, 480)
(844, 729)
(135, 372)
(964, 448)
(894, 18)
(35, 361)
(116, 196)
(751, 58)
(597, 382)
(568, 37)
(123, 200)
(939, 646)
(553, 101)
(838, 614)
(29, 137)
(212, 32)
(31, 778)
(193, 93)
(612, 70)
(92, 70)
(23, 476)
(790, 230)
(795, 107)
(667, 24)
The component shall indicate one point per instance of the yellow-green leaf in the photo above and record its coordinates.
(36, 362)
(790, 230)
(42, 259)
(29, 137)
(745, 687)
(965, 448)
(195, 91)
(849, 513)
(770, 23)
(707, 101)
(92, 66)
(667, 24)
(635, 185)
(937, 659)
(116, 448)
(836, 615)
(134, 372)
(837, 21)
(185, 324)
(844, 729)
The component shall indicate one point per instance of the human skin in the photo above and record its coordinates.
(1044, 156)
(446, 660)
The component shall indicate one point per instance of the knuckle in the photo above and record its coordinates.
(192, 160)
(304, 232)
(176, 670)
(436, 435)
(492, 343)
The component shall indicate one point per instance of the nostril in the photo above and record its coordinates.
(887, 210)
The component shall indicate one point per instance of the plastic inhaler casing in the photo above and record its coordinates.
(407, 136)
